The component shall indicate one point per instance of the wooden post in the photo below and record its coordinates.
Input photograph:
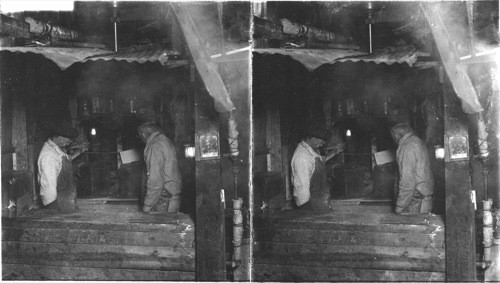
(273, 134)
(460, 219)
(210, 237)
(19, 137)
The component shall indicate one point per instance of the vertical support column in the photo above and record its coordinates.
(19, 137)
(210, 237)
(460, 219)
(273, 134)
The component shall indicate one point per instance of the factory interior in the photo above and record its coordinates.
(357, 69)
(105, 68)
(237, 87)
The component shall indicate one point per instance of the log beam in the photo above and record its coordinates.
(206, 68)
(448, 51)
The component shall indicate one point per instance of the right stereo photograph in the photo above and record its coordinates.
(375, 141)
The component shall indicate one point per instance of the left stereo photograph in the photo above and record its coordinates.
(125, 131)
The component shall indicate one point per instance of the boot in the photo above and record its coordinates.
(174, 204)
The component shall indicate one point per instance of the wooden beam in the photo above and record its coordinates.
(19, 137)
(460, 220)
(297, 273)
(320, 45)
(273, 134)
(77, 44)
(47, 272)
(206, 68)
(210, 235)
(448, 51)
(14, 27)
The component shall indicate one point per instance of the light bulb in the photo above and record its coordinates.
(189, 151)
(439, 153)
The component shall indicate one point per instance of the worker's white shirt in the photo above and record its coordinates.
(303, 163)
(49, 167)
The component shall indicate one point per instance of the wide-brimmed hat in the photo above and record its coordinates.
(64, 130)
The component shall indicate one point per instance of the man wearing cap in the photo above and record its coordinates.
(310, 187)
(416, 183)
(55, 172)
(163, 186)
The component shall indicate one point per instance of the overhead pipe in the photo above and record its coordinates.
(55, 32)
(237, 201)
(492, 269)
(311, 33)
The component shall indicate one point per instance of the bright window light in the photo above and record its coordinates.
(12, 6)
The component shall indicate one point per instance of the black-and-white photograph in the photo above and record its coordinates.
(267, 141)
(375, 130)
(125, 140)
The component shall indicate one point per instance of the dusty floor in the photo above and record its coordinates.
(92, 211)
(350, 212)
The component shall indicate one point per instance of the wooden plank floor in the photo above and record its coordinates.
(100, 241)
(119, 213)
(378, 217)
(357, 240)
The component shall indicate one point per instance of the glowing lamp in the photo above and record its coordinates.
(93, 132)
(348, 133)
(189, 151)
(439, 152)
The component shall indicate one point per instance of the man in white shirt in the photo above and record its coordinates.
(55, 172)
(310, 187)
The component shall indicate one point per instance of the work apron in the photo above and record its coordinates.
(318, 188)
(66, 189)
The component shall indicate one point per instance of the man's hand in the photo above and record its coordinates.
(81, 148)
(335, 150)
